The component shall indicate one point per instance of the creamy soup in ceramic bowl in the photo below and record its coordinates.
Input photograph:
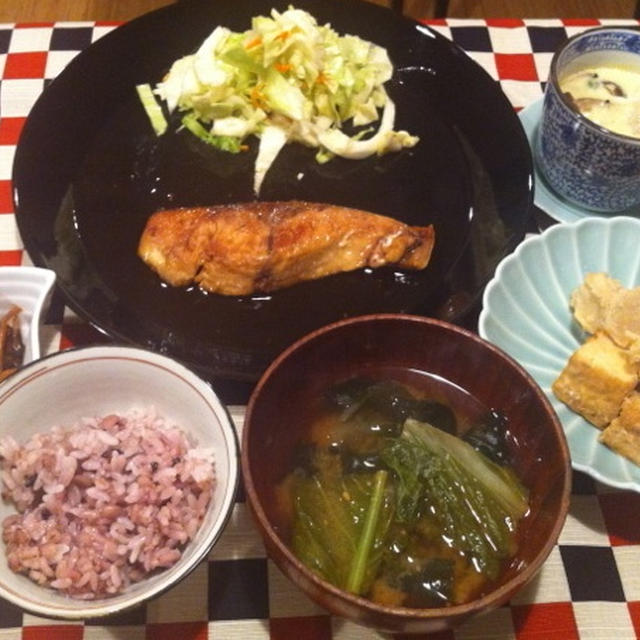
(608, 93)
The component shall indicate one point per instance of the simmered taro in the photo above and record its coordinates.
(389, 502)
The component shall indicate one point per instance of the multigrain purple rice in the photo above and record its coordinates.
(103, 504)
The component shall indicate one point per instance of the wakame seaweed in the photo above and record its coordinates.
(432, 586)
(389, 402)
(489, 436)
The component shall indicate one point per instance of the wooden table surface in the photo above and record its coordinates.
(122, 10)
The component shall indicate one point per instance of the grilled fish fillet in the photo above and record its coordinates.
(254, 247)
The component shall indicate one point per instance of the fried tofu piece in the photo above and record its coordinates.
(596, 379)
(589, 301)
(623, 318)
(601, 303)
(623, 434)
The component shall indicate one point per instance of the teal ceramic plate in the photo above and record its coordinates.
(526, 313)
(544, 197)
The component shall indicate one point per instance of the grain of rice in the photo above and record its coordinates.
(104, 503)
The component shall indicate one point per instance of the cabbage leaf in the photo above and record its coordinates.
(289, 72)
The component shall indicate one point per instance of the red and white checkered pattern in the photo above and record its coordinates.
(564, 602)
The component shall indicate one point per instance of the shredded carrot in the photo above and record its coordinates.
(283, 35)
(256, 96)
(321, 79)
(255, 42)
(282, 67)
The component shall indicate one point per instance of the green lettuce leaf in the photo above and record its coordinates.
(476, 502)
(331, 529)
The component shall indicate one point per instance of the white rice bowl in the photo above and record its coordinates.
(94, 382)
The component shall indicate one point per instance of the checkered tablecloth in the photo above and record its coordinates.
(589, 588)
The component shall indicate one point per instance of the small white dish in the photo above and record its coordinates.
(526, 312)
(95, 381)
(29, 288)
(545, 198)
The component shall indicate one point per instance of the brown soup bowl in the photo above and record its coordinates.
(272, 431)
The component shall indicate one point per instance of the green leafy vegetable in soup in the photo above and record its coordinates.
(390, 504)
(331, 516)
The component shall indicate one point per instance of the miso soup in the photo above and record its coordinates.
(404, 491)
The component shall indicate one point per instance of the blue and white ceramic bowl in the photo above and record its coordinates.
(526, 312)
(582, 161)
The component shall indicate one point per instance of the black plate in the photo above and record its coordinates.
(88, 172)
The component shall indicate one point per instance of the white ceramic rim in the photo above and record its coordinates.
(78, 609)
(43, 279)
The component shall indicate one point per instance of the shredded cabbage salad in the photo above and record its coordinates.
(286, 79)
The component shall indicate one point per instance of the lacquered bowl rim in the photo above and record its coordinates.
(286, 557)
